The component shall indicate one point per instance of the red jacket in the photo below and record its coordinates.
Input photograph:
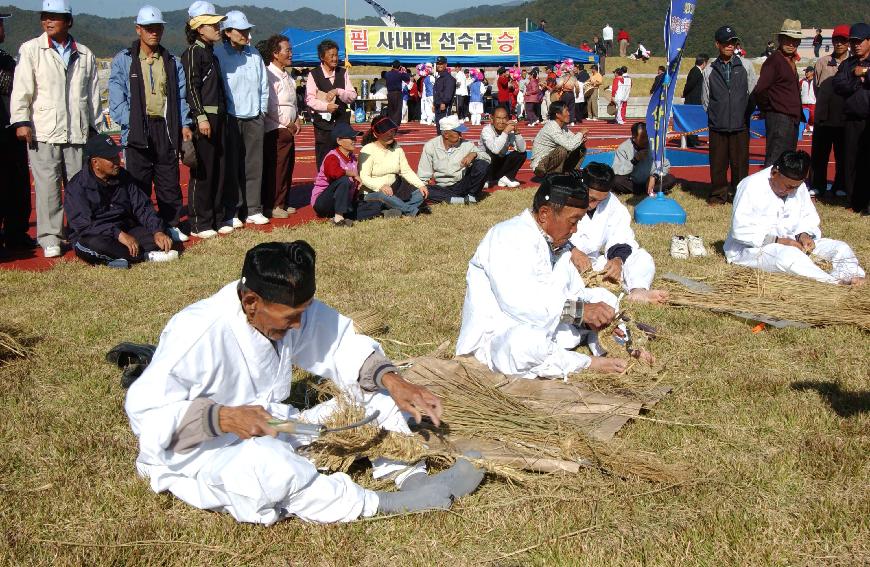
(505, 89)
(622, 35)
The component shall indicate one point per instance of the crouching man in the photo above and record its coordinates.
(222, 370)
(111, 221)
(526, 306)
(775, 226)
(605, 242)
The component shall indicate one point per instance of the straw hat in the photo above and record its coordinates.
(791, 28)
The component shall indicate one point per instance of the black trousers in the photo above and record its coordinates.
(335, 199)
(781, 132)
(856, 163)
(533, 110)
(323, 144)
(579, 111)
(394, 106)
(100, 250)
(568, 99)
(462, 106)
(14, 186)
(470, 184)
(825, 138)
(157, 166)
(205, 201)
(624, 185)
(439, 114)
(727, 150)
(507, 165)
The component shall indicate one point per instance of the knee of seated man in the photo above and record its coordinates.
(523, 337)
(267, 467)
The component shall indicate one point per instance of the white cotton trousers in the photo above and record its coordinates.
(476, 111)
(789, 260)
(263, 479)
(427, 110)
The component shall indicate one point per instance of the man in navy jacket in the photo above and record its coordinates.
(445, 90)
(111, 221)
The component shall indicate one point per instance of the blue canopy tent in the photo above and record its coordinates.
(536, 48)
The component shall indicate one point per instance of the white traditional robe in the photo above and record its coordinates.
(514, 302)
(610, 225)
(759, 217)
(209, 350)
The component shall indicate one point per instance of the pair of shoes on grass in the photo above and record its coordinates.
(684, 246)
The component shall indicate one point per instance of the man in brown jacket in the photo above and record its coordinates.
(591, 94)
(778, 94)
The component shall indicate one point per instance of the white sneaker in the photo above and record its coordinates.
(813, 192)
(207, 233)
(486, 185)
(235, 222)
(257, 219)
(161, 256)
(176, 234)
(225, 229)
(507, 182)
(696, 246)
(679, 248)
(52, 251)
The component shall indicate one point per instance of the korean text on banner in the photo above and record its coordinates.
(658, 114)
(397, 42)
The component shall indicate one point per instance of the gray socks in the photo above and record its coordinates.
(460, 480)
(427, 497)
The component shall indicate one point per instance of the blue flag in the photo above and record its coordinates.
(658, 114)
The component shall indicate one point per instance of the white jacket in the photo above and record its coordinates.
(609, 225)
(61, 104)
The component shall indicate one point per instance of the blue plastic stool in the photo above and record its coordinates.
(659, 209)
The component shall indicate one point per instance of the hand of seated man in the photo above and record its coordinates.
(613, 270)
(130, 242)
(413, 399)
(246, 421)
(163, 241)
(597, 316)
(580, 260)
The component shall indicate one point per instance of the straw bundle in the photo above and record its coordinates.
(475, 408)
(368, 322)
(596, 279)
(781, 296)
(12, 344)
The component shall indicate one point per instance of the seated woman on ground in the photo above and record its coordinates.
(387, 179)
(337, 183)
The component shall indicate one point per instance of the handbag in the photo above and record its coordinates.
(611, 108)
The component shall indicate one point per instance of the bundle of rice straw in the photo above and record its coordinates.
(475, 408)
(12, 344)
(781, 296)
(368, 322)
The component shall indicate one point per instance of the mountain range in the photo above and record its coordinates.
(570, 21)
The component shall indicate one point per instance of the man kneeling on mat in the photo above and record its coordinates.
(223, 370)
(112, 222)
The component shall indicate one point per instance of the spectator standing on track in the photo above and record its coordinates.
(532, 98)
(808, 96)
(828, 129)
(396, 79)
(693, 91)
(607, 36)
(15, 180)
(728, 84)
(599, 49)
(328, 93)
(282, 123)
(427, 109)
(620, 93)
(852, 82)
(591, 94)
(207, 102)
(778, 94)
(462, 82)
(506, 148)
(147, 98)
(54, 106)
(505, 88)
(817, 42)
(623, 39)
(247, 89)
(475, 97)
(445, 90)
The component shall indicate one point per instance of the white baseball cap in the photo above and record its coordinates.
(237, 21)
(201, 8)
(57, 6)
(452, 123)
(149, 15)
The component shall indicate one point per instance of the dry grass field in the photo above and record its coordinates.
(773, 428)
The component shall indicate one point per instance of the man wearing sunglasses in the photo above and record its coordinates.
(852, 82)
(728, 81)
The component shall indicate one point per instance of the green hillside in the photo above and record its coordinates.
(570, 21)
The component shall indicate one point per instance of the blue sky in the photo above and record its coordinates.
(356, 8)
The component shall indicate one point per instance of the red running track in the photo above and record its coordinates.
(602, 135)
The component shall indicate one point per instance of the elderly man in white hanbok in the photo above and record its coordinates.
(222, 370)
(775, 226)
(604, 241)
(525, 302)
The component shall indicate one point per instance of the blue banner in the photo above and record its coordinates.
(658, 114)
